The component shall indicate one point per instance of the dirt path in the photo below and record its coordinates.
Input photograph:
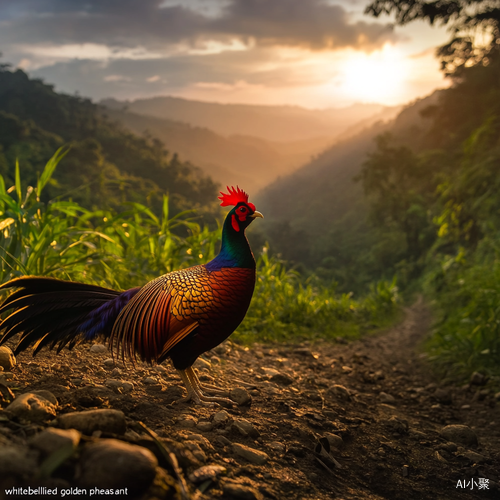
(346, 421)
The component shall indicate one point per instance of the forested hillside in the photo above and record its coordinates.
(248, 161)
(106, 166)
(319, 216)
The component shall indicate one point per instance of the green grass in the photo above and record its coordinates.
(127, 249)
(467, 334)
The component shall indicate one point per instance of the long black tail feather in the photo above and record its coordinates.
(50, 312)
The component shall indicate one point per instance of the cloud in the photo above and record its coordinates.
(156, 24)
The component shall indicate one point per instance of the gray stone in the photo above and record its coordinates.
(459, 434)
(87, 422)
(98, 349)
(109, 363)
(17, 462)
(149, 381)
(250, 454)
(477, 379)
(205, 473)
(277, 447)
(334, 440)
(195, 448)
(282, 379)
(110, 463)
(386, 398)
(232, 489)
(221, 417)
(51, 439)
(35, 406)
(204, 426)
(119, 385)
(443, 396)
(240, 396)
(7, 358)
(187, 421)
(245, 428)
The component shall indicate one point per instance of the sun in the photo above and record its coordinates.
(375, 77)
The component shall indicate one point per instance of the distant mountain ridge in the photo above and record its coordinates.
(251, 162)
(272, 123)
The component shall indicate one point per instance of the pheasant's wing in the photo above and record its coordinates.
(162, 313)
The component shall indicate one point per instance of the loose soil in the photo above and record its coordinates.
(392, 447)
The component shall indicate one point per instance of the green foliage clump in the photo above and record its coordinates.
(467, 336)
(127, 249)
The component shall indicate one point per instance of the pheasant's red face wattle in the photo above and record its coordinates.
(244, 211)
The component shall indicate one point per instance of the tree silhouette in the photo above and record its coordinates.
(474, 24)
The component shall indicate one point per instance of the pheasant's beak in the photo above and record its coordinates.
(256, 214)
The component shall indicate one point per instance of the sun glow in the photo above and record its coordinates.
(376, 77)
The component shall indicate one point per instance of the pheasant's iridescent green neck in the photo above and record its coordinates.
(235, 250)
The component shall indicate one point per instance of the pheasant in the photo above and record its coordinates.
(179, 315)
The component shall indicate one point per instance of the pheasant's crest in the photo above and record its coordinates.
(235, 196)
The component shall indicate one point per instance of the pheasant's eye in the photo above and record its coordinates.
(243, 210)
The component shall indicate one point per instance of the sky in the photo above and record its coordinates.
(311, 53)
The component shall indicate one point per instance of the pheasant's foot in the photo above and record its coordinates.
(207, 388)
(195, 393)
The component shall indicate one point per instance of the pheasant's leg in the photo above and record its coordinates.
(209, 389)
(195, 393)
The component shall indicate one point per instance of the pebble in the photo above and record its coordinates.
(52, 439)
(7, 358)
(269, 372)
(334, 440)
(205, 473)
(277, 447)
(460, 434)
(239, 491)
(306, 352)
(477, 458)
(497, 396)
(386, 398)
(187, 421)
(340, 391)
(240, 396)
(196, 450)
(149, 381)
(254, 456)
(221, 417)
(204, 426)
(282, 379)
(161, 370)
(35, 406)
(110, 463)
(245, 428)
(17, 462)
(87, 422)
(443, 396)
(224, 441)
(477, 379)
(98, 349)
(396, 424)
(109, 363)
(119, 385)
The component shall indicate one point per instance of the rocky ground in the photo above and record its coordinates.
(361, 420)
